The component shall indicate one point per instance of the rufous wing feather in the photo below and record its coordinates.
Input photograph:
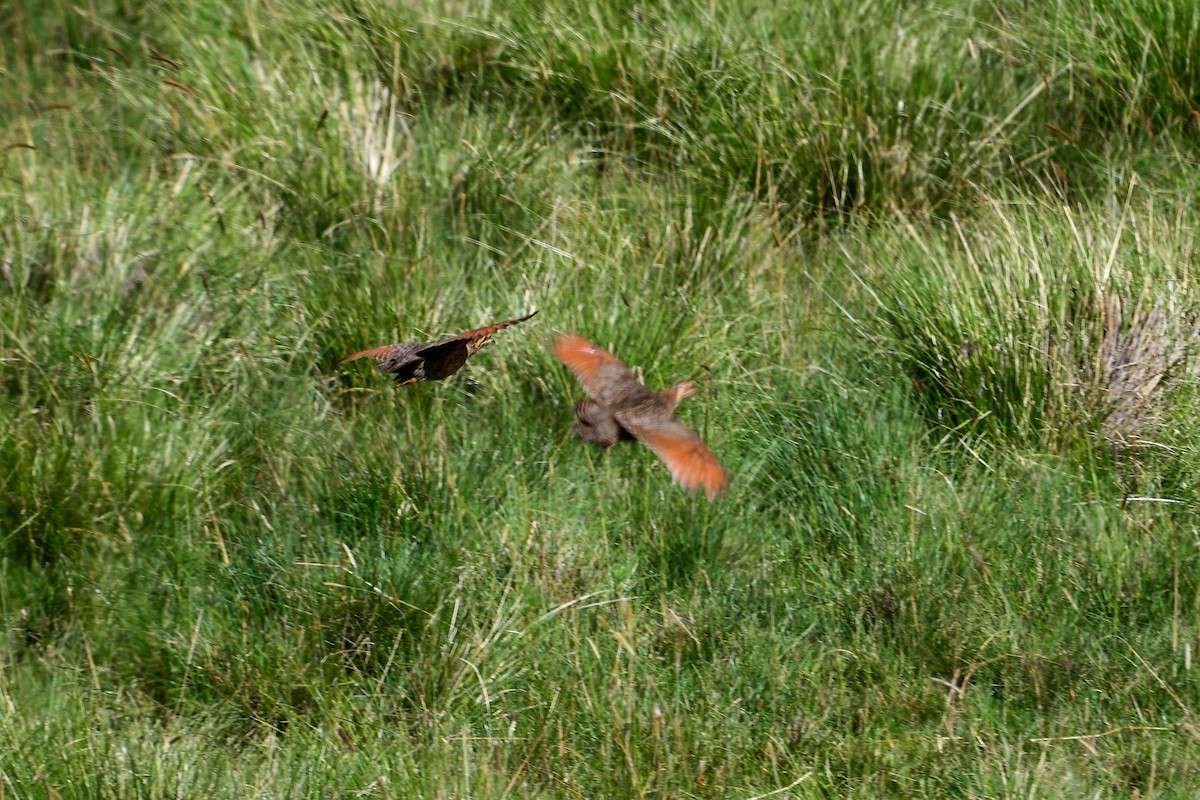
(596, 368)
(378, 353)
(691, 463)
(488, 330)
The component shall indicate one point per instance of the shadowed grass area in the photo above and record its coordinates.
(929, 264)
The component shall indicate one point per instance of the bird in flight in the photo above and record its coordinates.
(431, 361)
(619, 407)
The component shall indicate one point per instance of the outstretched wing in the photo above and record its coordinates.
(691, 463)
(604, 376)
(376, 353)
(446, 356)
(480, 333)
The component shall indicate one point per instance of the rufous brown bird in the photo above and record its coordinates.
(431, 361)
(619, 407)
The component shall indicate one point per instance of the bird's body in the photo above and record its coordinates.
(619, 407)
(410, 362)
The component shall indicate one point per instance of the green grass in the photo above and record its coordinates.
(887, 239)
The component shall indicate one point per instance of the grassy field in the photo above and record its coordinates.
(933, 265)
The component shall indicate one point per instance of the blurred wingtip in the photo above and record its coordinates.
(374, 352)
(709, 475)
(691, 463)
(575, 351)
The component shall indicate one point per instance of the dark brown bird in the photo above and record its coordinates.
(431, 361)
(619, 407)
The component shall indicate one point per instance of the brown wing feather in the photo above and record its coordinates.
(488, 330)
(603, 375)
(691, 463)
(378, 353)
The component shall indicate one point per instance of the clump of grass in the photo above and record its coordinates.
(1140, 350)
(1127, 66)
(1011, 323)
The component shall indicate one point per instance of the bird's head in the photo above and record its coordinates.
(478, 343)
(680, 391)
